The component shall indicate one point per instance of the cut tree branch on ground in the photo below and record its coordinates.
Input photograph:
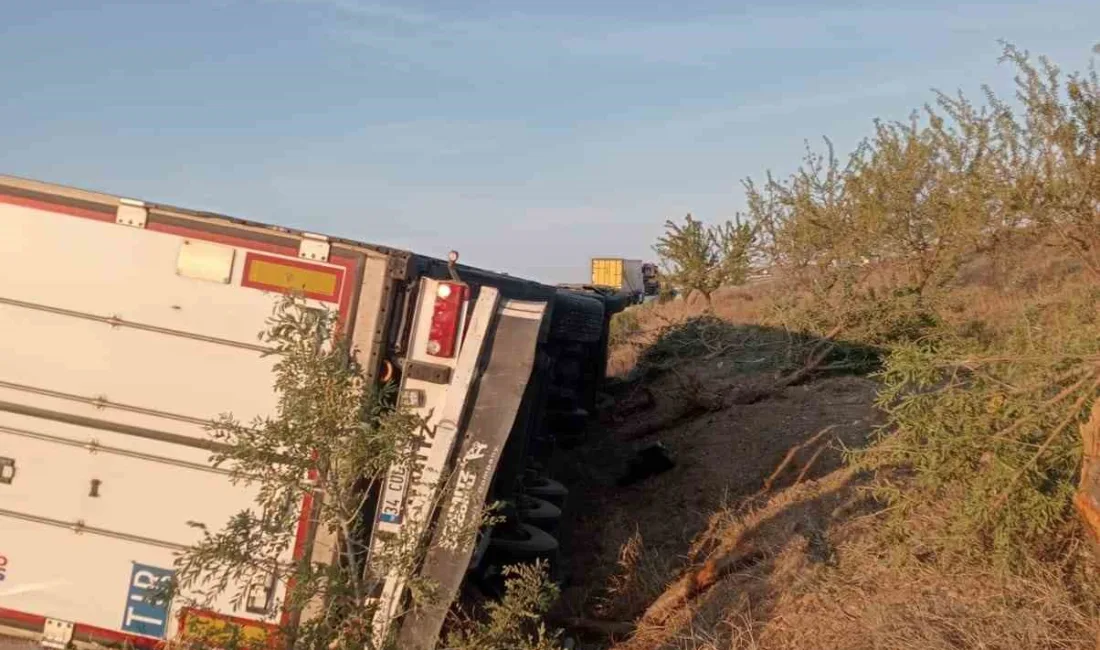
(810, 463)
(695, 582)
(769, 483)
(725, 562)
(818, 353)
(789, 458)
(690, 409)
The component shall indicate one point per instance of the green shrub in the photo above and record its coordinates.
(986, 418)
(515, 622)
(982, 406)
(703, 258)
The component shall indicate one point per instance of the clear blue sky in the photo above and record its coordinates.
(527, 135)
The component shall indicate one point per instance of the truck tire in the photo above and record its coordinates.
(547, 489)
(539, 513)
(577, 317)
(571, 421)
(523, 542)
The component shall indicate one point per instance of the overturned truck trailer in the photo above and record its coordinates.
(129, 325)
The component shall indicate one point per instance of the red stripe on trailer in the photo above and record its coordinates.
(72, 210)
(21, 617)
(82, 630)
(229, 240)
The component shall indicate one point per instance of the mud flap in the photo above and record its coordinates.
(499, 393)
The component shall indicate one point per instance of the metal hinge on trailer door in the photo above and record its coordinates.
(56, 634)
(132, 213)
(313, 247)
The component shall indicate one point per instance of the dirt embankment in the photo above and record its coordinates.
(760, 537)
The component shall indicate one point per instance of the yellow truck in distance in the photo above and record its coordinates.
(633, 277)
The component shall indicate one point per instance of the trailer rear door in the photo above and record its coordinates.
(124, 336)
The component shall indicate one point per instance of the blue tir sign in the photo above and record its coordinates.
(146, 611)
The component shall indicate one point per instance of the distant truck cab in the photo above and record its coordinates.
(650, 282)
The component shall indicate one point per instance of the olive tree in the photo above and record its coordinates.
(703, 258)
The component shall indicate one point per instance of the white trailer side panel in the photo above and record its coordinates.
(101, 327)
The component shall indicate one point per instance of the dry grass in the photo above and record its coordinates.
(823, 578)
(639, 576)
